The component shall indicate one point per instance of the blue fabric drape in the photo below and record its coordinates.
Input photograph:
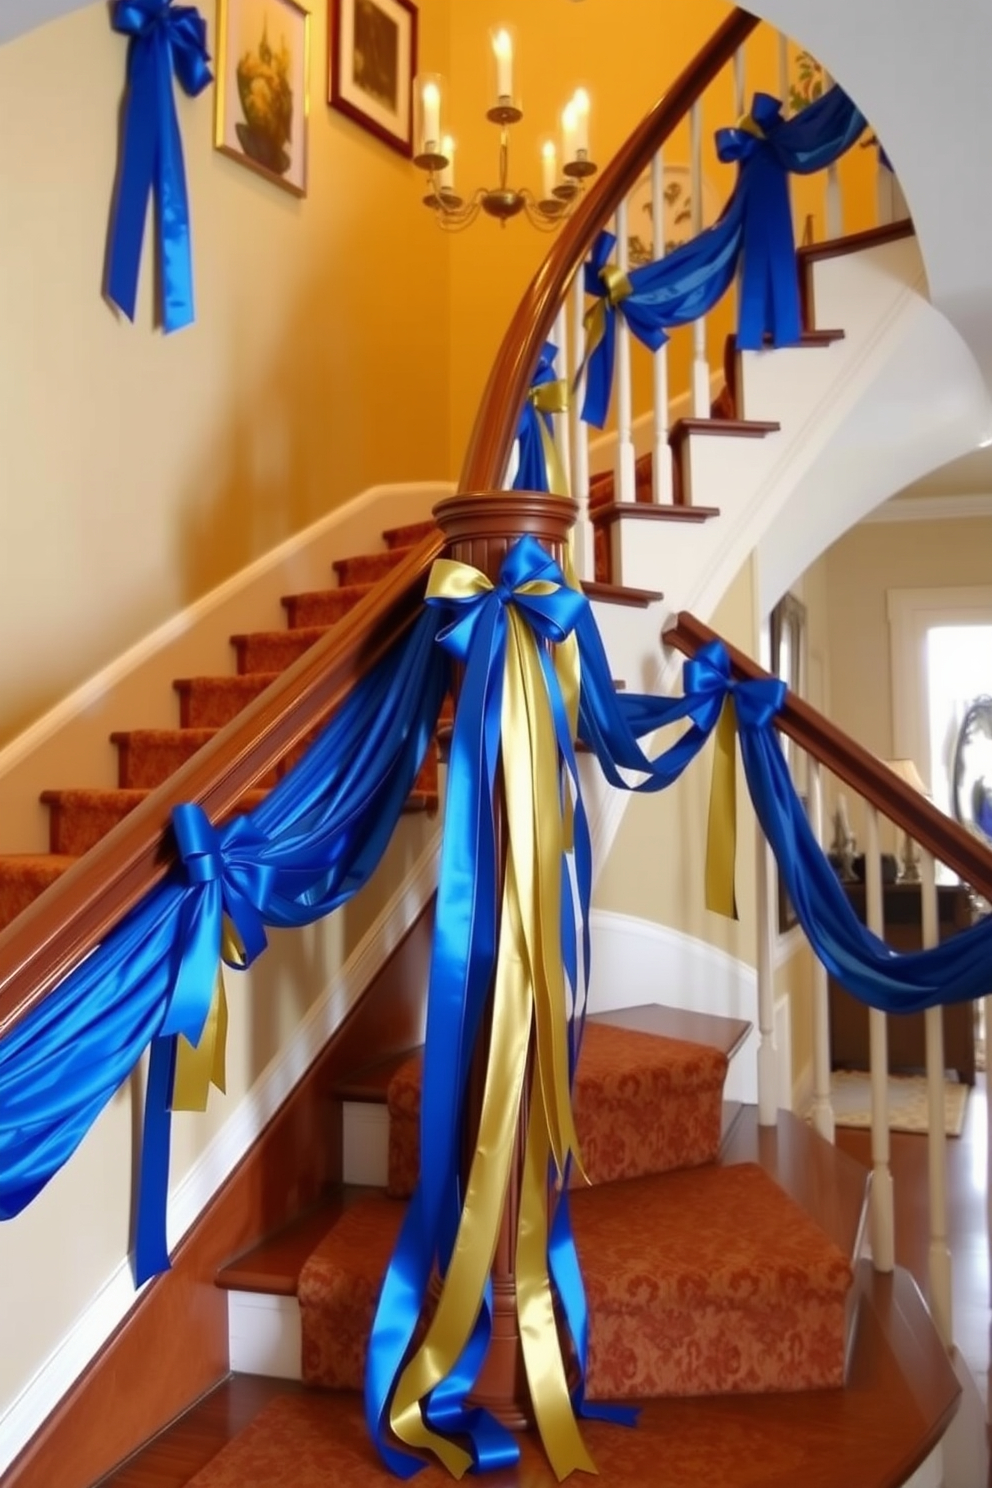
(532, 465)
(960, 969)
(310, 846)
(755, 231)
(164, 41)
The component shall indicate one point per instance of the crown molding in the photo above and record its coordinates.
(931, 508)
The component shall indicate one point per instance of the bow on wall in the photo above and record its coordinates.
(755, 230)
(165, 41)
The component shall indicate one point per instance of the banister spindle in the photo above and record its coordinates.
(823, 1111)
(661, 455)
(584, 556)
(625, 469)
(833, 210)
(767, 1056)
(941, 1303)
(700, 359)
(883, 1222)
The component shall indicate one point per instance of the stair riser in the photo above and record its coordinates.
(368, 568)
(322, 607)
(76, 828)
(273, 651)
(211, 702)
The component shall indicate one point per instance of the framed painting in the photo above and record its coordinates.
(263, 95)
(372, 63)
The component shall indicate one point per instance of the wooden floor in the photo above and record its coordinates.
(182, 1451)
(967, 1189)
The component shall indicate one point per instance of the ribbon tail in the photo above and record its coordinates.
(151, 1244)
(137, 173)
(721, 829)
(172, 214)
(198, 1066)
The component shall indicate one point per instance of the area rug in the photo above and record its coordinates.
(908, 1108)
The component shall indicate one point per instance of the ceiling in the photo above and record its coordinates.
(971, 475)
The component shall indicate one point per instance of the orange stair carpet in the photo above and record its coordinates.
(701, 1279)
(643, 1104)
(79, 817)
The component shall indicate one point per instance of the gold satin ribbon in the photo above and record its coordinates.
(530, 993)
(198, 1066)
(721, 826)
(749, 125)
(551, 397)
(618, 287)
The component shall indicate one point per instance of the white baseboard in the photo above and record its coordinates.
(191, 1196)
(635, 961)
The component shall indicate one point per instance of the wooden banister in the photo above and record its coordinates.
(64, 924)
(949, 842)
(495, 424)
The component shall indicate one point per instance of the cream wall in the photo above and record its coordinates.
(137, 470)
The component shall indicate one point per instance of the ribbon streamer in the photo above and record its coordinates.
(164, 41)
(540, 466)
(754, 231)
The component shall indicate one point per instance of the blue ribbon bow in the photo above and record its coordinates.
(532, 466)
(163, 41)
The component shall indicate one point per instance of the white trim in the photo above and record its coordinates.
(90, 693)
(931, 508)
(91, 1330)
(635, 961)
(911, 613)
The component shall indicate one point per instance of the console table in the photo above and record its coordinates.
(907, 1042)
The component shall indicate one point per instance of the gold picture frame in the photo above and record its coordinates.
(263, 88)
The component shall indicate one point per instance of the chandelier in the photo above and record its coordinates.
(560, 189)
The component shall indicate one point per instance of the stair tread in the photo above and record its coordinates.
(871, 237)
(642, 511)
(371, 1084)
(621, 594)
(725, 428)
(901, 1394)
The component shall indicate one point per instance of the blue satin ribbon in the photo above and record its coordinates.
(310, 846)
(532, 467)
(164, 41)
(767, 152)
(755, 229)
(462, 967)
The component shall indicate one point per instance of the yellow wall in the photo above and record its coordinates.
(139, 471)
(655, 870)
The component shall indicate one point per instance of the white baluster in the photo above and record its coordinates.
(941, 1304)
(661, 455)
(767, 1054)
(739, 84)
(560, 338)
(626, 472)
(883, 1223)
(834, 210)
(584, 551)
(823, 1111)
(700, 360)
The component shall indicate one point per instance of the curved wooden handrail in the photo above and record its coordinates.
(69, 919)
(495, 424)
(949, 842)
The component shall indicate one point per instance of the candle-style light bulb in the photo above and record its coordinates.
(503, 52)
(431, 98)
(549, 165)
(580, 102)
(568, 128)
(446, 180)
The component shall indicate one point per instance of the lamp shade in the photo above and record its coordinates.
(907, 771)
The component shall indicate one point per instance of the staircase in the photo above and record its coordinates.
(672, 1213)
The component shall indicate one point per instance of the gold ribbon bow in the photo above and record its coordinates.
(551, 398)
(618, 287)
(748, 124)
(198, 1066)
(529, 993)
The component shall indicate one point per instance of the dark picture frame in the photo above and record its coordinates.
(371, 67)
(787, 626)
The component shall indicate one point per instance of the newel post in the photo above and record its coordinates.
(481, 529)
